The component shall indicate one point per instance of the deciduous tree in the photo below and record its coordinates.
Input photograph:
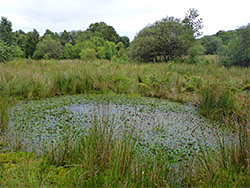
(166, 39)
(6, 31)
(49, 48)
(32, 38)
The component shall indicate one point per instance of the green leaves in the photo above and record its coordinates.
(32, 38)
(237, 51)
(8, 52)
(165, 39)
(49, 48)
(6, 31)
(4, 52)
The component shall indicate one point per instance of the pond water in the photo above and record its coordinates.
(156, 123)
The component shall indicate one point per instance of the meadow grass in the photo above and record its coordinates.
(220, 93)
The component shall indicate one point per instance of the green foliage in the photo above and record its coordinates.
(194, 52)
(32, 38)
(101, 29)
(109, 50)
(71, 52)
(64, 37)
(166, 39)
(121, 54)
(192, 20)
(9, 52)
(218, 105)
(104, 49)
(144, 46)
(237, 51)
(88, 54)
(49, 34)
(19, 39)
(125, 41)
(225, 36)
(5, 52)
(240, 47)
(224, 55)
(211, 44)
(49, 48)
(6, 31)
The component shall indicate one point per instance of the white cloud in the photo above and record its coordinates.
(128, 17)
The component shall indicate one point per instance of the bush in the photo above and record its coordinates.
(194, 52)
(71, 52)
(224, 55)
(237, 52)
(88, 54)
(48, 48)
(9, 52)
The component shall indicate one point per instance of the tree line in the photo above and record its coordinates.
(99, 41)
(167, 39)
(232, 47)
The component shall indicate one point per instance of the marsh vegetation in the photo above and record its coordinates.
(92, 109)
(75, 123)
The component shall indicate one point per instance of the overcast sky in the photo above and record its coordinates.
(128, 17)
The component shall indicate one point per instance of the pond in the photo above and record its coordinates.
(173, 127)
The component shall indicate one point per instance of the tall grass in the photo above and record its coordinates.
(229, 165)
(218, 91)
(218, 103)
(101, 157)
(4, 116)
(106, 156)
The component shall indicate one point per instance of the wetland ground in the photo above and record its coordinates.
(104, 124)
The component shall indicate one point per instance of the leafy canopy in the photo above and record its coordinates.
(49, 48)
(166, 39)
(6, 31)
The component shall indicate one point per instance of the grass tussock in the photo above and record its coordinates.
(228, 166)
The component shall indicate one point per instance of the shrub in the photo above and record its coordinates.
(48, 48)
(88, 54)
(194, 52)
(9, 52)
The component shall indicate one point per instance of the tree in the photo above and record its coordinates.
(32, 38)
(224, 55)
(50, 34)
(19, 38)
(49, 48)
(6, 31)
(5, 52)
(9, 52)
(194, 52)
(64, 37)
(164, 40)
(237, 51)
(225, 36)
(88, 54)
(211, 44)
(240, 47)
(121, 54)
(72, 37)
(105, 31)
(125, 40)
(192, 20)
(71, 51)
(144, 46)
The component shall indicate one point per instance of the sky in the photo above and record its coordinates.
(128, 17)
